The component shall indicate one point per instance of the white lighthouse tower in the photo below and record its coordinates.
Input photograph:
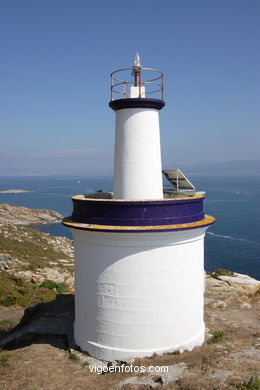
(137, 167)
(139, 252)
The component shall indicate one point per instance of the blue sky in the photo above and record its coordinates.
(56, 57)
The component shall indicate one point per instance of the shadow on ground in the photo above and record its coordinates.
(44, 323)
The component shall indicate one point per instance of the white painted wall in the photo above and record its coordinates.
(138, 293)
(137, 161)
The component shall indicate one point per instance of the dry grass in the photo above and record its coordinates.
(28, 245)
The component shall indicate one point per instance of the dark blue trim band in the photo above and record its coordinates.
(119, 104)
(137, 213)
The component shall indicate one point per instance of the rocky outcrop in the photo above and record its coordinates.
(16, 215)
(36, 256)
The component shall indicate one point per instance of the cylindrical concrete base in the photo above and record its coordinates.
(138, 293)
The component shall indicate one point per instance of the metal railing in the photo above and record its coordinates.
(121, 87)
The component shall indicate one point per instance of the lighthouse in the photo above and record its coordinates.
(139, 251)
(137, 161)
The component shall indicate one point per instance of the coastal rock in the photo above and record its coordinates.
(153, 379)
(223, 374)
(240, 280)
(8, 262)
(38, 276)
(85, 359)
(62, 244)
(16, 215)
(37, 257)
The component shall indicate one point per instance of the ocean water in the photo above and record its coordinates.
(233, 242)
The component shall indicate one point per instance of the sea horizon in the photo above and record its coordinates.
(233, 242)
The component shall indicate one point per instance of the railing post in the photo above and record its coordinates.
(139, 80)
(111, 88)
(162, 88)
(125, 90)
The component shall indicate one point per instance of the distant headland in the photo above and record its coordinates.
(13, 191)
(16, 215)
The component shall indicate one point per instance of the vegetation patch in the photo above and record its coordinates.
(51, 285)
(73, 357)
(221, 272)
(252, 384)
(4, 359)
(8, 324)
(28, 245)
(4, 362)
(17, 291)
(218, 335)
(257, 292)
(254, 294)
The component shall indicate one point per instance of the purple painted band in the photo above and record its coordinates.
(66, 222)
(137, 213)
(119, 104)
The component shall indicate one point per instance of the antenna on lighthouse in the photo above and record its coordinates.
(137, 61)
(137, 71)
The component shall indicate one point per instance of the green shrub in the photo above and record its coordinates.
(73, 357)
(51, 285)
(15, 298)
(218, 335)
(4, 359)
(222, 272)
(252, 384)
(17, 291)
